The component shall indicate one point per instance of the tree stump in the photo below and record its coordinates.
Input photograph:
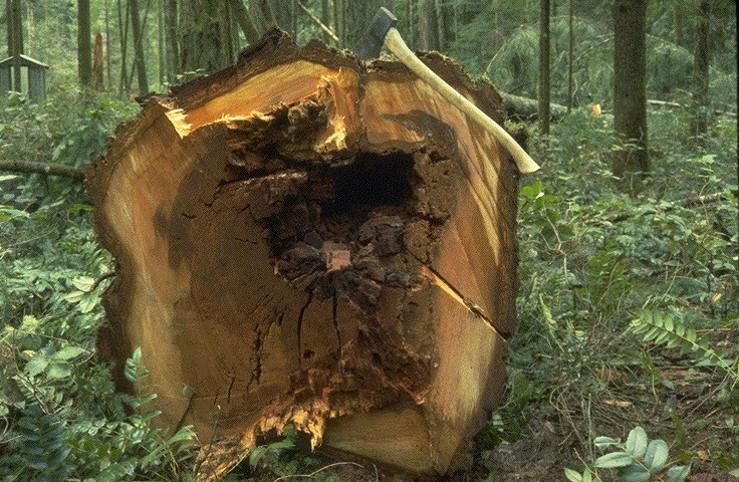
(305, 239)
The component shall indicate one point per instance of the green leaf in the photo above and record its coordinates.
(59, 371)
(636, 443)
(603, 442)
(8, 177)
(678, 473)
(83, 283)
(656, 455)
(74, 296)
(68, 352)
(573, 475)
(587, 475)
(256, 455)
(37, 364)
(614, 460)
(635, 473)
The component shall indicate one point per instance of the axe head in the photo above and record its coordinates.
(371, 43)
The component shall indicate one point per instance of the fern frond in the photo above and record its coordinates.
(662, 328)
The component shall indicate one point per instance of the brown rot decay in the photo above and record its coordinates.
(347, 227)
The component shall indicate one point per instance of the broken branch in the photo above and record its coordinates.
(42, 168)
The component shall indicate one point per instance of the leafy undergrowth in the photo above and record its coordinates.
(627, 317)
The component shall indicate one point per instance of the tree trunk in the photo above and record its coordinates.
(267, 14)
(84, 49)
(427, 24)
(123, 29)
(544, 50)
(138, 46)
(699, 120)
(202, 22)
(108, 52)
(336, 259)
(173, 49)
(325, 18)
(440, 28)
(244, 20)
(97, 63)
(339, 25)
(31, 23)
(160, 43)
(630, 100)
(570, 58)
(17, 44)
(10, 26)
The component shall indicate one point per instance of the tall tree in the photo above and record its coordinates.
(138, 46)
(84, 47)
(17, 50)
(123, 35)
(202, 45)
(699, 120)
(429, 32)
(630, 100)
(570, 57)
(173, 49)
(244, 20)
(97, 63)
(544, 52)
(325, 18)
(108, 60)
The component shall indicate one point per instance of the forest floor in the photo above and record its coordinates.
(627, 314)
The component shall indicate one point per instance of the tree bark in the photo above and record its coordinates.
(544, 52)
(138, 47)
(173, 49)
(160, 42)
(9, 26)
(84, 49)
(97, 63)
(325, 18)
(337, 259)
(17, 20)
(701, 64)
(427, 24)
(570, 58)
(203, 48)
(630, 100)
(244, 20)
(108, 51)
(123, 29)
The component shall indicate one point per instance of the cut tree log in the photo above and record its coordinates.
(305, 239)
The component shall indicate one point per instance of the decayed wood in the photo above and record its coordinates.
(304, 239)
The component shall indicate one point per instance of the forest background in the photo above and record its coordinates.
(628, 299)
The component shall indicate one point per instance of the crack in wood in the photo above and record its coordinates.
(308, 301)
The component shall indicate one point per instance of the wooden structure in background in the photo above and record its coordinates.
(304, 239)
(33, 77)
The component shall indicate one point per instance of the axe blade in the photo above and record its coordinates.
(371, 43)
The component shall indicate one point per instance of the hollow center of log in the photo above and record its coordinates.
(338, 232)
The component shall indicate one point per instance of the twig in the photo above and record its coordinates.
(312, 474)
(318, 21)
(42, 168)
(100, 279)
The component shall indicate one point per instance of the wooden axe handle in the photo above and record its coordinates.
(395, 44)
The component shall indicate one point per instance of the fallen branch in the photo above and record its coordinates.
(668, 104)
(685, 203)
(42, 168)
(524, 109)
(318, 22)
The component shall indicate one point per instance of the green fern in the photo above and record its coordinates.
(665, 329)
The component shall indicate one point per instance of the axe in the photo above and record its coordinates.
(382, 32)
